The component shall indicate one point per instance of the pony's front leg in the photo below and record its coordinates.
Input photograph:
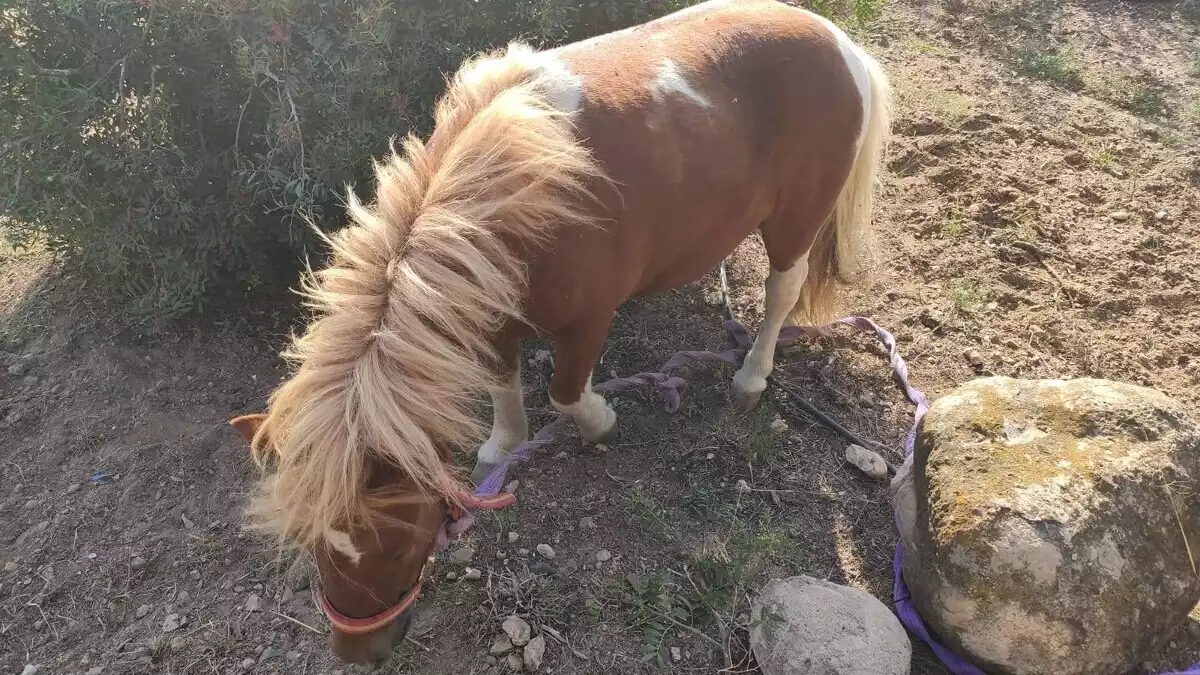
(575, 354)
(510, 428)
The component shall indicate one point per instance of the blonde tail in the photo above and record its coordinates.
(839, 252)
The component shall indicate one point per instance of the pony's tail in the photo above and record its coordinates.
(838, 253)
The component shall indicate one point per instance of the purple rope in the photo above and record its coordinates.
(673, 387)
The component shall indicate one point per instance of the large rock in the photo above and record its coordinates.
(807, 626)
(1047, 523)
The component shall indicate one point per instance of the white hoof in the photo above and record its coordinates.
(748, 390)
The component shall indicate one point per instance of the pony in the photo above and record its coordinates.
(555, 185)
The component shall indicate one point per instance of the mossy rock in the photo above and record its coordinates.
(1050, 526)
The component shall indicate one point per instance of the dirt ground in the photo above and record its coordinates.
(1041, 217)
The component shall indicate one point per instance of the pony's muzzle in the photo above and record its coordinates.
(372, 649)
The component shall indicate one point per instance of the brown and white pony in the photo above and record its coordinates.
(555, 186)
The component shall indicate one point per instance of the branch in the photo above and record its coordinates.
(15, 143)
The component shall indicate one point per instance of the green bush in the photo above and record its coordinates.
(177, 147)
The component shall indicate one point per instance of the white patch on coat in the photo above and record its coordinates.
(341, 542)
(563, 88)
(670, 80)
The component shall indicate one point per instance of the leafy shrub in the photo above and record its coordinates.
(177, 147)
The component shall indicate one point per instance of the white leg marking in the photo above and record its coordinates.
(591, 413)
(509, 426)
(341, 542)
(670, 80)
(783, 290)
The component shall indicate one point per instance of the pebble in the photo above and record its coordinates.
(513, 537)
(17, 369)
(545, 551)
(268, 654)
(292, 656)
(490, 660)
(867, 461)
(779, 425)
(30, 379)
(247, 664)
(1119, 216)
(172, 622)
(142, 611)
(10, 566)
(462, 556)
(520, 551)
(97, 670)
(587, 523)
(501, 555)
(137, 563)
(676, 655)
(517, 630)
(974, 358)
(603, 556)
(288, 595)
(73, 488)
(30, 669)
(741, 486)
(512, 486)
(501, 646)
(515, 662)
(183, 596)
(178, 644)
(472, 574)
(451, 576)
(533, 654)
(253, 603)
(194, 575)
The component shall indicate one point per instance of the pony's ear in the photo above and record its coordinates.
(248, 425)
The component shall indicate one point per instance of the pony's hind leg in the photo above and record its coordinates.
(571, 387)
(783, 291)
(510, 428)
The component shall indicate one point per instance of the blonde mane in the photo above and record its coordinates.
(417, 286)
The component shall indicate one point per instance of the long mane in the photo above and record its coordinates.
(418, 284)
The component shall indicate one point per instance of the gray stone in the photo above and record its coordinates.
(462, 556)
(253, 602)
(603, 555)
(807, 626)
(587, 523)
(515, 662)
(30, 669)
(533, 653)
(513, 537)
(17, 369)
(1043, 523)
(867, 461)
(501, 646)
(172, 622)
(517, 630)
(142, 611)
(472, 574)
(546, 551)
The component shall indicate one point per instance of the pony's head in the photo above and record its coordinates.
(370, 570)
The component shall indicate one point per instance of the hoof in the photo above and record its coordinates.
(746, 401)
(482, 470)
(607, 438)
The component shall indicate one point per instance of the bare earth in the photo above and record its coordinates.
(1041, 211)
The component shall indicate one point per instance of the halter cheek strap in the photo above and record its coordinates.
(458, 519)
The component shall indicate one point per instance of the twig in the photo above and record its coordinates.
(237, 132)
(1179, 521)
(725, 294)
(408, 638)
(826, 419)
(691, 630)
(296, 120)
(298, 622)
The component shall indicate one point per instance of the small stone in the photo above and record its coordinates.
(533, 653)
(741, 486)
(974, 358)
(709, 456)
(867, 461)
(194, 575)
(540, 356)
(298, 574)
(1161, 215)
(501, 555)
(603, 556)
(30, 379)
(462, 556)
(501, 646)
(10, 566)
(137, 563)
(514, 662)
(96, 670)
(779, 425)
(17, 369)
(676, 655)
(513, 537)
(512, 486)
(30, 669)
(292, 655)
(287, 596)
(72, 488)
(142, 611)
(183, 596)
(451, 576)
(247, 664)
(253, 602)
(545, 551)
(1119, 216)
(517, 630)
(522, 551)
(268, 654)
(178, 644)
(587, 523)
(171, 622)
(472, 574)
(490, 660)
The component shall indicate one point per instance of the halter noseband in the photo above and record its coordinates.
(457, 511)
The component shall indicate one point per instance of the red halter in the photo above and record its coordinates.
(457, 509)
